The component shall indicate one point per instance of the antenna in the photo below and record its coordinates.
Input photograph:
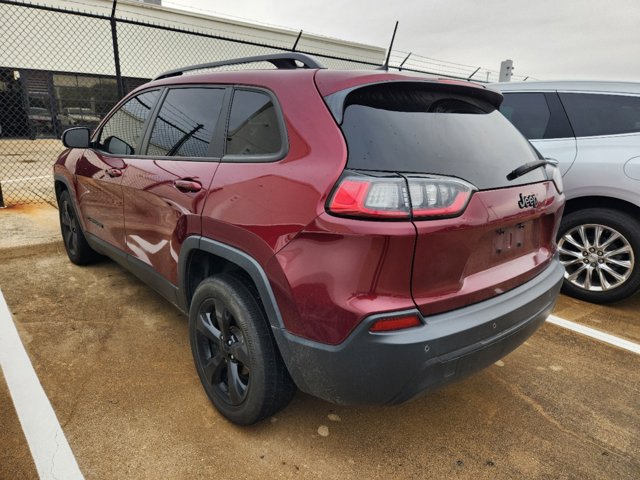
(393, 37)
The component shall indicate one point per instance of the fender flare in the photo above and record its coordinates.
(61, 178)
(243, 260)
(71, 188)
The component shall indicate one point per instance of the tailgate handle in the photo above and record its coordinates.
(186, 185)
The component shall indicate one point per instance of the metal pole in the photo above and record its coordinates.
(116, 52)
(474, 72)
(506, 70)
(405, 59)
(393, 37)
(293, 49)
(1, 199)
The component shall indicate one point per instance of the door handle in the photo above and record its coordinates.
(114, 172)
(187, 185)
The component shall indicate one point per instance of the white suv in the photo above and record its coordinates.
(593, 130)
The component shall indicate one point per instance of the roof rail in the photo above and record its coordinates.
(279, 60)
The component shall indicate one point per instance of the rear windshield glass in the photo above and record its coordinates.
(407, 127)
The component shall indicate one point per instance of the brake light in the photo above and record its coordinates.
(438, 196)
(397, 323)
(371, 197)
(400, 197)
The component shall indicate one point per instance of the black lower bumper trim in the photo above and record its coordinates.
(389, 368)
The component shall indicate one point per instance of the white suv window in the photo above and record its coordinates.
(537, 115)
(594, 114)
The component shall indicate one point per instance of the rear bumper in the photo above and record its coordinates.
(389, 368)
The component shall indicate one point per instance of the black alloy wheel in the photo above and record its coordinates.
(235, 355)
(75, 243)
(69, 226)
(222, 352)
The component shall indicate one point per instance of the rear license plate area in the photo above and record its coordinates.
(514, 240)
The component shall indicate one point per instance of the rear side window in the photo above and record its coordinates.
(597, 114)
(529, 112)
(537, 115)
(121, 134)
(186, 123)
(254, 129)
(409, 127)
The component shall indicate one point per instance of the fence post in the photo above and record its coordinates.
(506, 70)
(1, 199)
(474, 72)
(403, 61)
(393, 37)
(116, 52)
(293, 49)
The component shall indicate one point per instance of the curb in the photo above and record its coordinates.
(10, 253)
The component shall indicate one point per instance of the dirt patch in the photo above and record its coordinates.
(29, 230)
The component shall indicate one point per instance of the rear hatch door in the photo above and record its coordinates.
(432, 133)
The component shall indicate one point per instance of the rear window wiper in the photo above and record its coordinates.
(530, 166)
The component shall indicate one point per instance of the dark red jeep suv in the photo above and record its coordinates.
(365, 236)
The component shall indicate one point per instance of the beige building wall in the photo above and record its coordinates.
(43, 40)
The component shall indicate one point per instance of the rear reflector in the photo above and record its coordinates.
(394, 196)
(395, 323)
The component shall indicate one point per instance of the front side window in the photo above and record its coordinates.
(253, 125)
(186, 123)
(598, 114)
(121, 134)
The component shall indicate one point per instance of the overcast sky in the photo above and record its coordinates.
(546, 39)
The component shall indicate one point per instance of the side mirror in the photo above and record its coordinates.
(77, 137)
(117, 146)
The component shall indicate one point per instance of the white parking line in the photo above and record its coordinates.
(49, 448)
(597, 334)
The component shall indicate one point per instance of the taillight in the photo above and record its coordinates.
(438, 196)
(395, 196)
(363, 196)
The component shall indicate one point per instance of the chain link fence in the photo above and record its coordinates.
(418, 63)
(61, 68)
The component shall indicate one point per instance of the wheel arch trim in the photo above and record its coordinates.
(583, 202)
(63, 179)
(68, 183)
(243, 260)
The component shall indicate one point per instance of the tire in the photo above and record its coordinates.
(75, 243)
(234, 353)
(600, 249)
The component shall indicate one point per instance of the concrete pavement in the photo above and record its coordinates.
(115, 362)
